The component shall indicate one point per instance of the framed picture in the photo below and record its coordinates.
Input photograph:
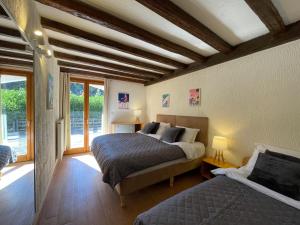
(50, 91)
(165, 100)
(194, 97)
(123, 100)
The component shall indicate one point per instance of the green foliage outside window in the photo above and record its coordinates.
(15, 101)
(95, 103)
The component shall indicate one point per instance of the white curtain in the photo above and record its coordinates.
(105, 119)
(64, 109)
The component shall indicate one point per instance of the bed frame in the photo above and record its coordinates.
(139, 181)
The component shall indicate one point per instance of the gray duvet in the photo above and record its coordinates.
(220, 201)
(120, 155)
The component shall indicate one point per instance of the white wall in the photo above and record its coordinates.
(251, 99)
(137, 100)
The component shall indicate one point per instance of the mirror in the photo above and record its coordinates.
(17, 191)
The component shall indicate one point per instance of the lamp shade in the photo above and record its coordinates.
(137, 112)
(219, 143)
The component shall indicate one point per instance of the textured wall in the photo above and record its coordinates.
(45, 136)
(137, 100)
(251, 99)
(27, 18)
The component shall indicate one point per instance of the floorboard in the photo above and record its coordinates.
(77, 195)
(17, 194)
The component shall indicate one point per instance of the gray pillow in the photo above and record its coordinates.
(282, 156)
(150, 128)
(172, 134)
(277, 174)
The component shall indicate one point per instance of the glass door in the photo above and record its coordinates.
(15, 116)
(86, 107)
(96, 101)
(77, 115)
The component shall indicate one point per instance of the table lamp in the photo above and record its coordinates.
(219, 144)
(137, 114)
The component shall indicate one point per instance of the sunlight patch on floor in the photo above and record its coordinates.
(11, 174)
(89, 160)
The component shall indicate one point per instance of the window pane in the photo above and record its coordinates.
(96, 99)
(77, 114)
(13, 113)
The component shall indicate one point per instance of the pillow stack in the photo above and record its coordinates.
(189, 134)
(150, 128)
(162, 128)
(172, 134)
(278, 172)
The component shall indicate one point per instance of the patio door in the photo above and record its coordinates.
(16, 113)
(86, 107)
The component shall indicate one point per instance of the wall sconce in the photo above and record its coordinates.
(41, 49)
(38, 33)
(44, 50)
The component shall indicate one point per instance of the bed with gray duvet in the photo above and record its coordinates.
(266, 191)
(220, 201)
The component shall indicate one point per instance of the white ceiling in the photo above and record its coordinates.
(289, 10)
(232, 20)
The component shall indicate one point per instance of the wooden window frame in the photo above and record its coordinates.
(29, 110)
(86, 83)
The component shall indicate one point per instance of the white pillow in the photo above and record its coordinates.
(189, 134)
(261, 148)
(162, 127)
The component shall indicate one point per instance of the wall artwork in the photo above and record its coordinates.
(123, 100)
(50, 81)
(166, 100)
(194, 97)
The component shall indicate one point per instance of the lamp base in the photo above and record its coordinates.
(219, 157)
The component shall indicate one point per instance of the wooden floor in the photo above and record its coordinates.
(17, 194)
(77, 195)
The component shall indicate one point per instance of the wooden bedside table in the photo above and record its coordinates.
(209, 163)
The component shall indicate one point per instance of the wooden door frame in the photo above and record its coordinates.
(29, 110)
(86, 83)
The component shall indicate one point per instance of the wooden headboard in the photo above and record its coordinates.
(188, 121)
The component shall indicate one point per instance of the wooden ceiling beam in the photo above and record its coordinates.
(10, 32)
(77, 48)
(101, 75)
(268, 14)
(15, 62)
(12, 46)
(3, 14)
(16, 55)
(101, 70)
(177, 16)
(291, 33)
(65, 56)
(83, 35)
(88, 12)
